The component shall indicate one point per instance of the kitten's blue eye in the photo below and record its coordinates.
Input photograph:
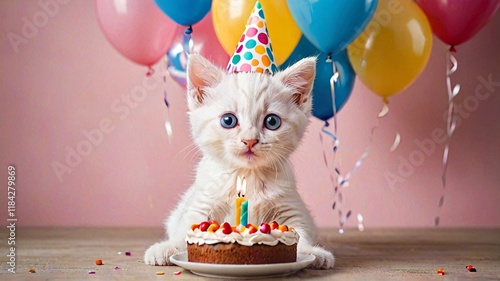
(272, 122)
(228, 121)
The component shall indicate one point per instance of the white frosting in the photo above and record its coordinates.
(199, 237)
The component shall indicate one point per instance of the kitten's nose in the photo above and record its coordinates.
(250, 143)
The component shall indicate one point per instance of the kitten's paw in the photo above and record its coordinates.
(324, 259)
(159, 253)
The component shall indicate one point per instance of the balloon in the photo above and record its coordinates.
(322, 93)
(137, 29)
(331, 25)
(204, 42)
(456, 21)
(394, 48)
(230, 18)
(184, 12)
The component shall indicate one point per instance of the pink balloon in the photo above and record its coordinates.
(456, 21)
(137, 29)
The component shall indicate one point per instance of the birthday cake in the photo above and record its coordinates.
(209, 242)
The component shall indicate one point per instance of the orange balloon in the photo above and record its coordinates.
(393, 49)
(230, 17)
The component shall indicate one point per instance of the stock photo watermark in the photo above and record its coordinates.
(12, 219)
(31, 26)
(427, 147)
(120, 107)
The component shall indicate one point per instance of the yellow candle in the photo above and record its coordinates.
(239, 201)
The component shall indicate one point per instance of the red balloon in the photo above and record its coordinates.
(137, 29)
(456, 21)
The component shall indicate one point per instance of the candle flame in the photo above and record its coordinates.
(244, 187)
(241, 186)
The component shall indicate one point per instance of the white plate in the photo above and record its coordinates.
(242, 270)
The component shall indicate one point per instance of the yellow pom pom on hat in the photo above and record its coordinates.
(254, 52)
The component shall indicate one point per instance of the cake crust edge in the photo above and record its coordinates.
(234, 253)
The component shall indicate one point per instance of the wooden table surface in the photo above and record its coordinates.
(375, 254)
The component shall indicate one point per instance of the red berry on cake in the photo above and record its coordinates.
(274, 225)
(204, 226)
(226, 228)
(213, 222)
(249, 225)
(252, 229)
(265, 228)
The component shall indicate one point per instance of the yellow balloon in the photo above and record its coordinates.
(230, 17)
(393, 49)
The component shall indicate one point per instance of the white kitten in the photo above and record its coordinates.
(245, 124)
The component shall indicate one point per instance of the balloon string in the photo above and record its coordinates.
(383, 112)
(337, 192)
(337, 197)
(451, 67)
(168, 125)
(187, 45)
(333, 80)
(187, 41)
(343, 181)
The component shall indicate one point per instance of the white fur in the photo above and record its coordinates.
(271, 189)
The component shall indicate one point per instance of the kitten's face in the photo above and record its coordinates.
(249, 120)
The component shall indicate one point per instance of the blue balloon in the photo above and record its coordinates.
(322, 94)
(331, 25)
(185, 12)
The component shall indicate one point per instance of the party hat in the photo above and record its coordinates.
(254, 52)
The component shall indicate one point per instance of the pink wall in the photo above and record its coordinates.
(67, 79)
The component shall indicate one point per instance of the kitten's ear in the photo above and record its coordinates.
(300, 78)
(201, 74)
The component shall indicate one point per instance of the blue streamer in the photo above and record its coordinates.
(187, 41)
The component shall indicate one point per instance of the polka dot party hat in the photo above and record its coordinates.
(254, 52)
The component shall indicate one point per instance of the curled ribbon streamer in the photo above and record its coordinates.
(344, 181)
(333, 80)
(168, 125)
(341, 180)
(396, 142)
(187, 41)
(383, 112)
(338, 193)
(450, 125)
(187, 46)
